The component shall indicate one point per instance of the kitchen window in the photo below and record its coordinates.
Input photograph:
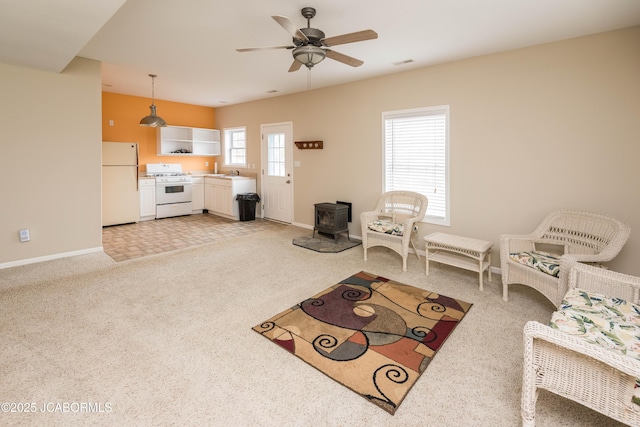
(416, 157)
(235, 147)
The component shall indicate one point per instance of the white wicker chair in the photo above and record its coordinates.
(405, 208)
(575, 369)
(586, 237)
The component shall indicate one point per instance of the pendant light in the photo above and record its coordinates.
(153, 120)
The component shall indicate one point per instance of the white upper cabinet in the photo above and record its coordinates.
(186, 141)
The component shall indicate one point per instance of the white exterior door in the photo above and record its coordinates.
(277, 171)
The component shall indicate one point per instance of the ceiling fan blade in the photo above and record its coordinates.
(295, 66)
(340, 57)
(291, 28)
(250, 49)
(351, 38)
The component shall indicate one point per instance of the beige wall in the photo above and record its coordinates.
(50, 134)
(534, 130)
(549, 127)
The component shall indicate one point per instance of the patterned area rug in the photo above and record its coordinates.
(326, 244)
(371, 334)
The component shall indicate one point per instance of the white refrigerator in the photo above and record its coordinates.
(120, 197)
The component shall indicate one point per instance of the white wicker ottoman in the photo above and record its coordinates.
(463, 252)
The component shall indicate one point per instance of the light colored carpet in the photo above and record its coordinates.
(167, 339)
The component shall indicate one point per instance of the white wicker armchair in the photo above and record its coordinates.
(404, 208)
(569, 366)
(585, 237)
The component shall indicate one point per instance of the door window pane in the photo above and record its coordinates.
(275, 155)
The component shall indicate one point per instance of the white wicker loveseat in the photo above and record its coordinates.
(573, 237)
(589, 353)
(392, 223)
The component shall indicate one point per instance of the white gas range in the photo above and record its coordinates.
(173, 189)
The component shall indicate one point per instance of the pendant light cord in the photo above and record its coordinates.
(153, 88)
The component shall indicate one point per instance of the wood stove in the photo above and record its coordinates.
(331, 218)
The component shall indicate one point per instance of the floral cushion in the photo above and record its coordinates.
(611, 323)
(543, 261)
(386, 226)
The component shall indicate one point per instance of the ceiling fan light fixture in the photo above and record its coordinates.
(153, 120)
(309, 55)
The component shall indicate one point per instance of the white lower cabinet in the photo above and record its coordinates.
(147, 187)
(222, 202)
(208, 195)
(220, 195)
(197, 194)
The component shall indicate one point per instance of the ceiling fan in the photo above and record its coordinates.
(310, 46)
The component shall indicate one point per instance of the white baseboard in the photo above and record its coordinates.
(307, 226)
(49, 257)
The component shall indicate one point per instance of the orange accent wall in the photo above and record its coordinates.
(126, 112)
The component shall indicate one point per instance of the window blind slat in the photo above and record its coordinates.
(416, 155)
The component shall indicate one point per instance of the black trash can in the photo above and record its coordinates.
(247, 205)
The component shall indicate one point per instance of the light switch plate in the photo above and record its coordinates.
(24, 235)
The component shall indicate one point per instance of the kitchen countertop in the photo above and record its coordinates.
(206, 175)
(223, 176)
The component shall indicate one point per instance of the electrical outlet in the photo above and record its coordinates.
(24, 235)
(206, 163)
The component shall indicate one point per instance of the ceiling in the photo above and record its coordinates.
(191, 44)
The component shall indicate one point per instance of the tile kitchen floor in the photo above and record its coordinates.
(128, 241)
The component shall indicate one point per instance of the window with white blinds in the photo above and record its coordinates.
(235, 147)
(416, 157)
